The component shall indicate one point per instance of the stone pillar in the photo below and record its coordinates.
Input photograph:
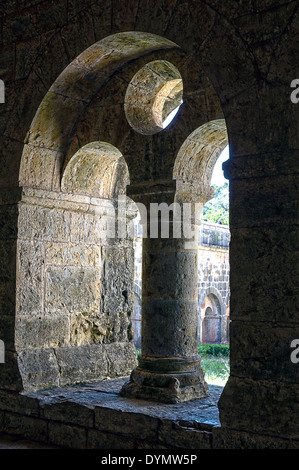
(261, 396)
(169, 367)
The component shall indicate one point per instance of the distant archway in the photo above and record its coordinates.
(211, 320)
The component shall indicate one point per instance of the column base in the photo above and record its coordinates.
(165, 381)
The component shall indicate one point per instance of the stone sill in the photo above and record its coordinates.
(94, 416)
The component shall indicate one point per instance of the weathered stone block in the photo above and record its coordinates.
(17, 403)
(126, 424)
(42, 332)
(260, 406)
(38, 368)
(30, 278)
(72, 290)
(117, 280)
(68, 254)
(35, 170)
(84, 228)
(102, 440)
(67, 412)
(82, 364)
(72, 437)
(45, 224)
(121, 358)
(88, 329)
(175, 435)
(263, 351)
(31, 428)
(276, 202)
(230, 439)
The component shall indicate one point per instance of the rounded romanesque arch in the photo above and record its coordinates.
(197, 156)
(212, 317)
(219, 306)
(76, 160)
(211, 320)
(97, 169)
(57, 117)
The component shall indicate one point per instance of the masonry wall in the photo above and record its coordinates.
(74, 292)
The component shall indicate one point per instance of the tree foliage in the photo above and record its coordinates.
(217, 210)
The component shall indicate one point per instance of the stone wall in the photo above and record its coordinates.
(213, 283)
(74, 292)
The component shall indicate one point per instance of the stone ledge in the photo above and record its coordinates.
(95, 416)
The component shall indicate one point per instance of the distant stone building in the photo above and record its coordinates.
(213, 284)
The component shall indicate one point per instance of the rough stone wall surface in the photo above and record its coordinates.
(74, 300)
(247, 51)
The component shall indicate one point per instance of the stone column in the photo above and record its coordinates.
(262, 393)
(169, 368)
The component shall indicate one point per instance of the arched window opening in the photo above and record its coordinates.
(211, 320)
(217, 209)
(198, 170)
(153, 97)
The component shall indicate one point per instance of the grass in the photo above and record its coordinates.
(215, 362)
(216, 370)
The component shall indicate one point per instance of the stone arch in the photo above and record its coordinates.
(197, 156)
(52, 128)
(215, 292)
(211, 317)
(99, 170)
(193, 170)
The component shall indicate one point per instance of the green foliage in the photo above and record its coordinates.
(216, 369)
(217, 210)
(215, 363)
(214, 350)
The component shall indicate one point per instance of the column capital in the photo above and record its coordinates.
(193, 192)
